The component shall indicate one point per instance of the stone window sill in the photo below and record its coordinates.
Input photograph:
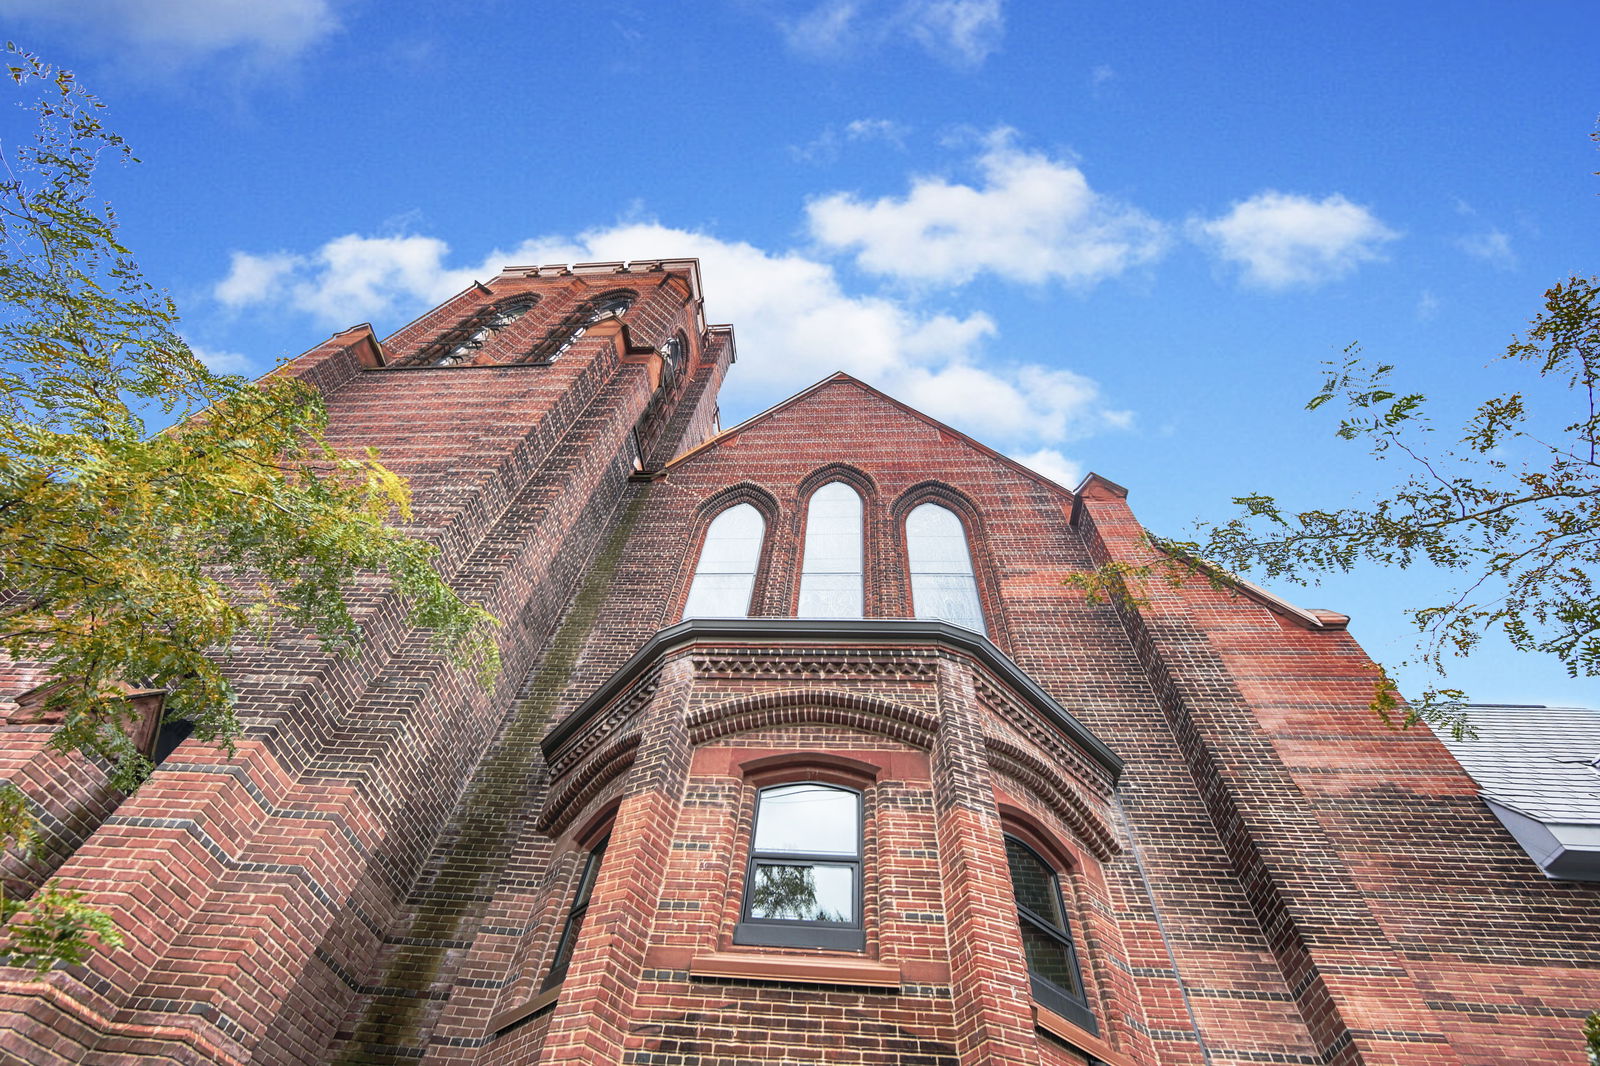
(1097, 1049)
(859, 973)
(523, 1011)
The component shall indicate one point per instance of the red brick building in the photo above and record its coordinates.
(892, 794)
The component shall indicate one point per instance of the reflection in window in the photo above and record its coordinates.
(942, 585)
(830, 577)
(1052, 959)
(804, 884)
(459, 343)
(672, 356)
(727, 571)
(580, 907)
(575, 325)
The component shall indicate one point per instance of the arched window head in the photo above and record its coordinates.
(575, 913)
(672, 354)
(942, 584)
(1046, 936)
(611, 303)
(577, 324)
(804, 883)
(830, 576)
(726, 573)
(460, 343)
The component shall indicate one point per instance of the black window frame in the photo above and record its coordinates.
(1073, 1007)
(570, 931)
(801, 933)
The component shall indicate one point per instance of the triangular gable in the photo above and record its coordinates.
(841, 378)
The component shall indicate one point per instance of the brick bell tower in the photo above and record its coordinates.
(803, 752)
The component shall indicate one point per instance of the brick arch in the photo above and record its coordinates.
(978, 544)
(568, 800)
(732, 496)
(855, 477)
(822, 706)
(874, 534)
(1062, 800)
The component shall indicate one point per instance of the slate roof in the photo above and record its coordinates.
(1538, 760)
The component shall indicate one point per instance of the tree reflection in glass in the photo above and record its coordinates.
(805, 862)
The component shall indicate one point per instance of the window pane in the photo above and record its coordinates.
(726, 572)
(809, 819)
(1049, 958)
(803, 893)
(942, 584)
(1034, 883)
(830, 596)
(719, 596)
(830, 575)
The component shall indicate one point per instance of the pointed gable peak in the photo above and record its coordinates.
(839, 378)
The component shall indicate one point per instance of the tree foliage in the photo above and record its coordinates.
(136, 558)
(1511, 504)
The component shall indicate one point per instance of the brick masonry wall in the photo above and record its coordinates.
(381, 873)
(260, 891)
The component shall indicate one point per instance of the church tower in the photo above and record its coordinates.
(804, 751)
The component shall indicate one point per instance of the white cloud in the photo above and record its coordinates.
(1492, 246)
(252, 277)
(1427, 306)
(1032, 219)
(794, 323)
(1053, 465)
(223, 362)
(252, 30)
(824, 148)
(1281, 240)
(348, 279)
(961, 33)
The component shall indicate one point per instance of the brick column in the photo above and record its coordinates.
(990, 989)
(590, 1023)
(1349, 981)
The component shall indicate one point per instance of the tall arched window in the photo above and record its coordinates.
(576, 324)
(942, 585)
(726, 574)
(459, 343)
(830, 576)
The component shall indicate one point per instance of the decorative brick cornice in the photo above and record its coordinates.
(801, 632)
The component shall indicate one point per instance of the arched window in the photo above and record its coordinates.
(726, 574)
(672, 357)
(575, 914)
(1046, 938)
(830, 576)
(942, 585)
(459, 343)
(575, 325)
(804, 883)
(611, 303)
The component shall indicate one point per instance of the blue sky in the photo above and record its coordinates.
(1098, 236)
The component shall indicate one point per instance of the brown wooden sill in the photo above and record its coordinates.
(858, 972)
(1097, 1049)
(512, 1015)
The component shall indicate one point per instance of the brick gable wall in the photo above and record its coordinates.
(382, 873)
